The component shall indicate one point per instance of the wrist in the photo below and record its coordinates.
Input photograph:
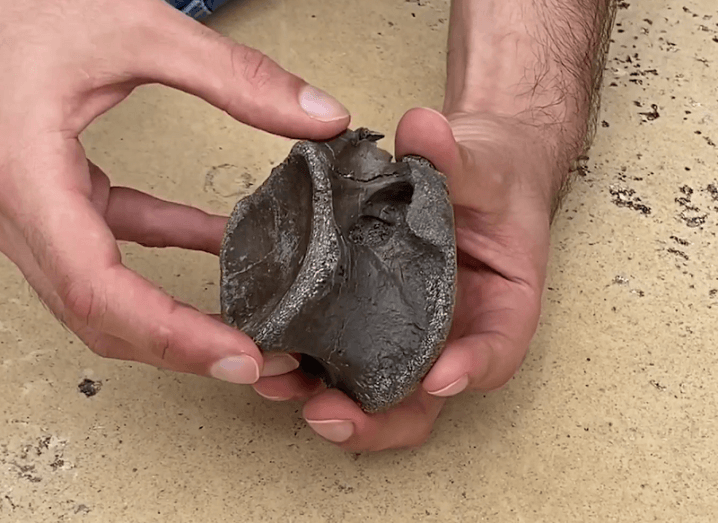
(542, 160)
(537, 65)
(515, 163)
(499, 63)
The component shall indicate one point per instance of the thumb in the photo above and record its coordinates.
(426, 132)
(182, 53)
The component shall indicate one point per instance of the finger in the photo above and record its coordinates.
(138, 217)
(292, 386)
(202, 346)
(495, 343)
(279, 364)
(492, 327)
(471, 175)
(102, 344)
(338, 419)
(112, 347)
(109, 346)
(77, 253)
(116, 348)
(179, 52)
(427, 133)
(482, 362)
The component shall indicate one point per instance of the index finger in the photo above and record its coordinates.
(78, 255)
(178, 52)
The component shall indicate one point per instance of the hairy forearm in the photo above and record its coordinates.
(538, 61)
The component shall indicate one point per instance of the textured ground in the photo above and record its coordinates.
(613, 416)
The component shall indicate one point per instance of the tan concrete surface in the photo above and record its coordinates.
(613, 416)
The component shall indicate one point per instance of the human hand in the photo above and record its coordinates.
(521, 95)
(498, 174)
(65, 63)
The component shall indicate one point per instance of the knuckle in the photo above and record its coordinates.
(252, 66)
(85, 301)
(162, 342)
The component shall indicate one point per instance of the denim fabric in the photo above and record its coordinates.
(196, 8)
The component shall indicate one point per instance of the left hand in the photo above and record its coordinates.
(499, 175)
(65, 63)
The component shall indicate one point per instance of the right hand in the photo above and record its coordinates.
(500, 175)
(66, 62)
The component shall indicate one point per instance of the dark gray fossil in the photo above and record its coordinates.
(348, 258)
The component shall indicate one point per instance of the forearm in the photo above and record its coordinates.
(539, 61)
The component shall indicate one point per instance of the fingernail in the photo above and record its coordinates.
(279, 364)
(320, 105)
(452, 389)
(270, 397)
(334, 430)
(236, 369)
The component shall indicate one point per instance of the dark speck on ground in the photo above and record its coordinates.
(89, 387)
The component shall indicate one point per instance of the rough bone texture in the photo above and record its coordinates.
(349, 259)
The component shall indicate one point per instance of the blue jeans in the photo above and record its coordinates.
(196, 8)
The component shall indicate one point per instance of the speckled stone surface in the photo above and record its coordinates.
(613, 416)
